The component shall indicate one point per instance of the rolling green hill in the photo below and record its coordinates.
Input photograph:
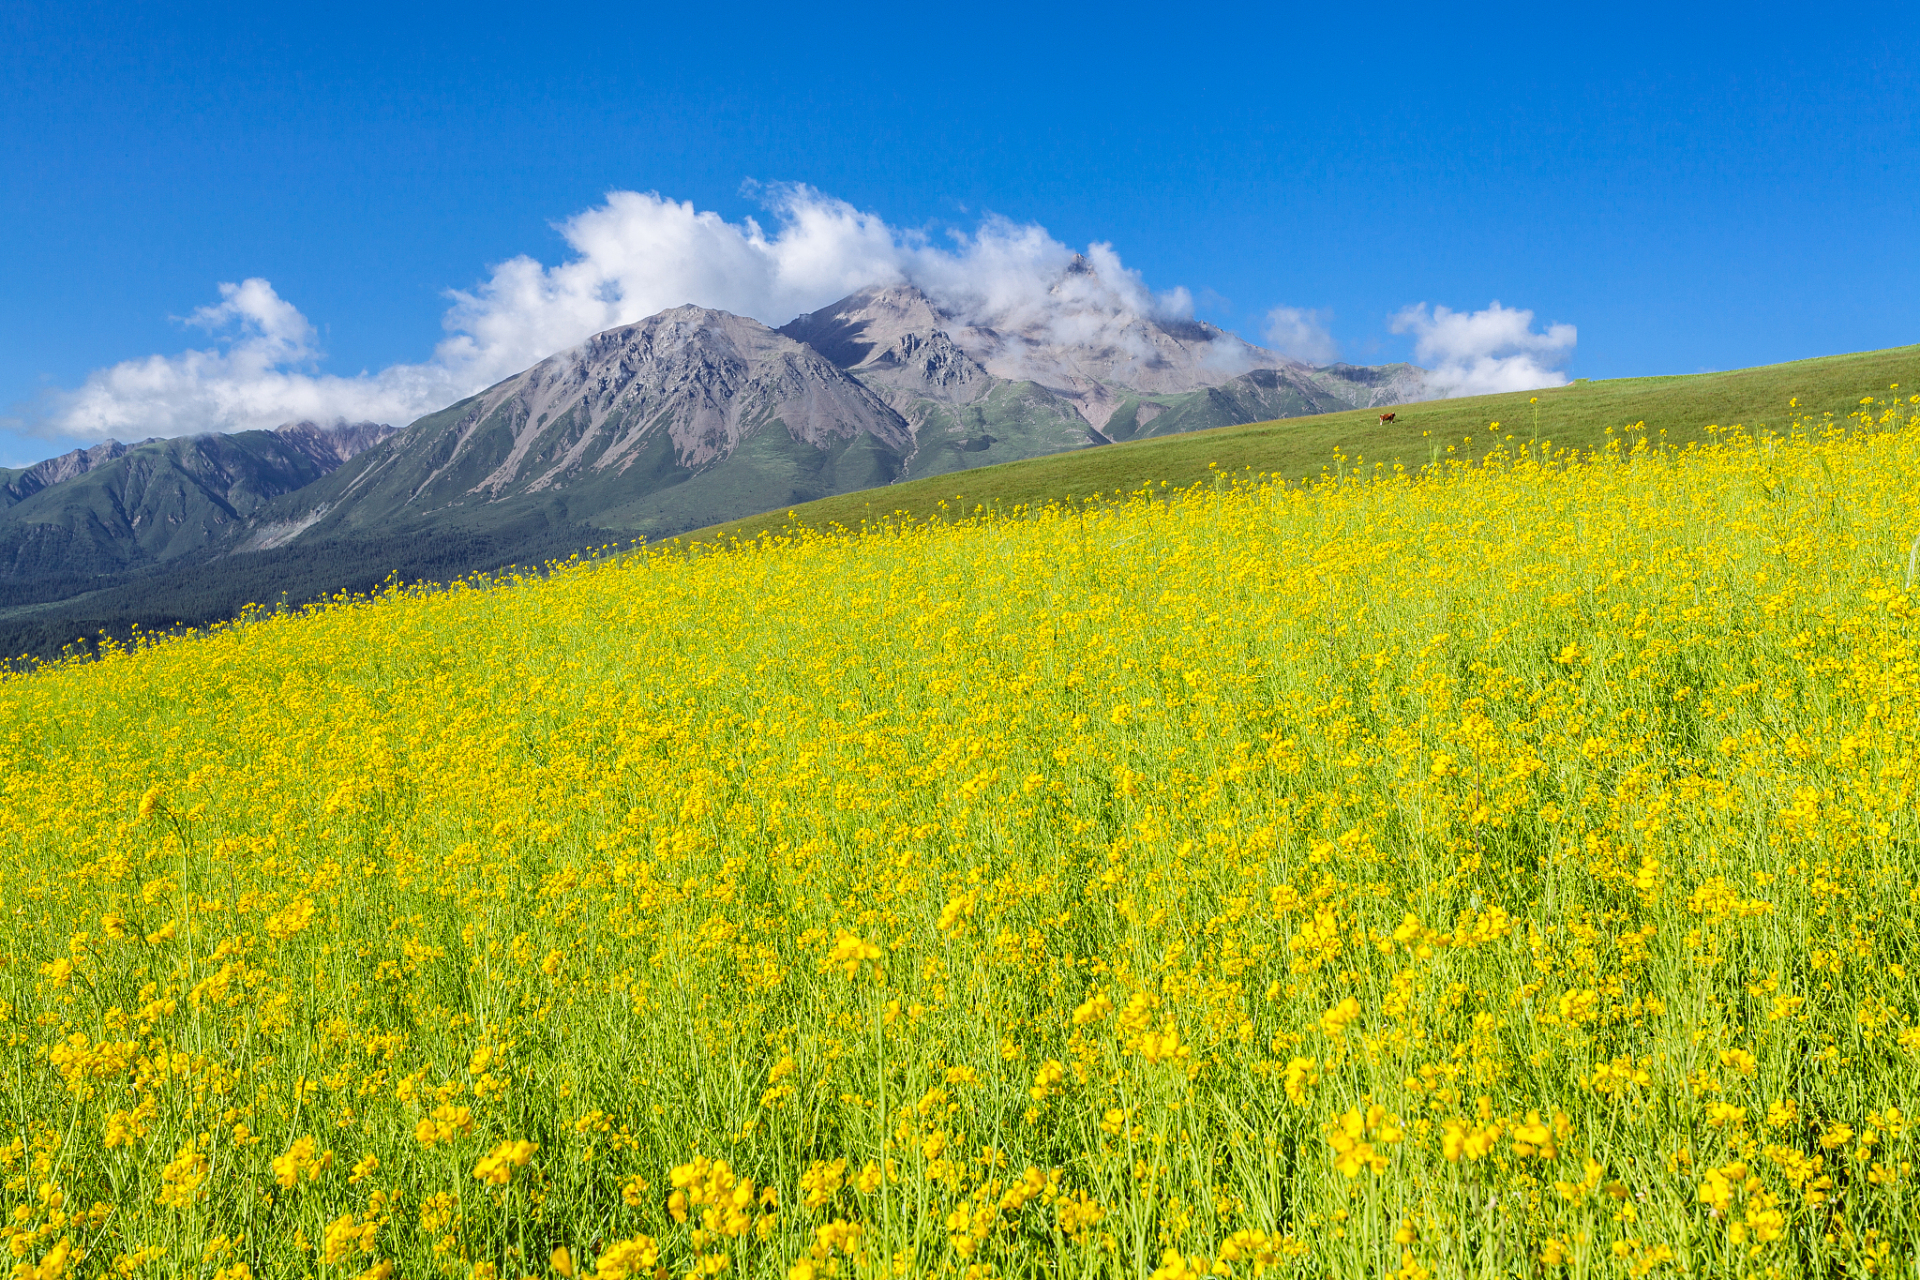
(1677, 408)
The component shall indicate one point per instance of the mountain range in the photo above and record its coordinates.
(682, 420)
(114, 507)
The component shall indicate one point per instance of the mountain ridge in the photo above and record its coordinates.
(695, 415)
(676, 395)
(43, 620)
(681, 420)
(114, 508)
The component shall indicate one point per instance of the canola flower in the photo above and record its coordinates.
(1502, 868)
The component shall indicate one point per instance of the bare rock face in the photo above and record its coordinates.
(703, 379)
(1080, 348)
(930, 364)
(60, 469)
(1126, 353)
(1371, 386)
(626, 414)
(331, 446)
(894, 342)
(857, 331)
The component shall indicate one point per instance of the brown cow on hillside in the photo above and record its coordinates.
(1385, 418)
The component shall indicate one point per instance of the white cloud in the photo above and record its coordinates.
(1301, 334)
(634, 255)
(638, 253)
(1484, 352)
(259, 376)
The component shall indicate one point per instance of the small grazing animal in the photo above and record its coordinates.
(1385, 418)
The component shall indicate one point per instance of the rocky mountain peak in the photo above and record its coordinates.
(332, 445)
(66, 466)
(857, 329)
(1088, 346)
(683, 419)
(896, 341)
(679, 390)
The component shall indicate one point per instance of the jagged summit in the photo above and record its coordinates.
(695, 415)
(895, 340)
(326, 446)
(30, 480)
(625, 420)
(691, 380)
(334, 444)
(865, 323)
(1084, 347)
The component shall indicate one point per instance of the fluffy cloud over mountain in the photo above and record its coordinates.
(638, 253)
(634, 255)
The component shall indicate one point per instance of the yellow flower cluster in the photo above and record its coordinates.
(1360, 1140)
(1509, 867)
(497, 1166)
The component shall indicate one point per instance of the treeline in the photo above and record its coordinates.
(218, 590)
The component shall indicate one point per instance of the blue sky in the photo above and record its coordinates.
(1695, 190)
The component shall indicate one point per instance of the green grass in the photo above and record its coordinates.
(1676, 409)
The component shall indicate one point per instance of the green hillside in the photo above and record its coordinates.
(42, 617)
(1676, 408)
(83, 520)
(77, 612)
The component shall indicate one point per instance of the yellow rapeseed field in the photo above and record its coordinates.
(1510, 869)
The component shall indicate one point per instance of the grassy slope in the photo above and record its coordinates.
(159, 501)
(1576, 416)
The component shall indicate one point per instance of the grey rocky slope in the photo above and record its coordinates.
(22, 483)
(1122, 375)
(659, 421)
(1088, 361)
